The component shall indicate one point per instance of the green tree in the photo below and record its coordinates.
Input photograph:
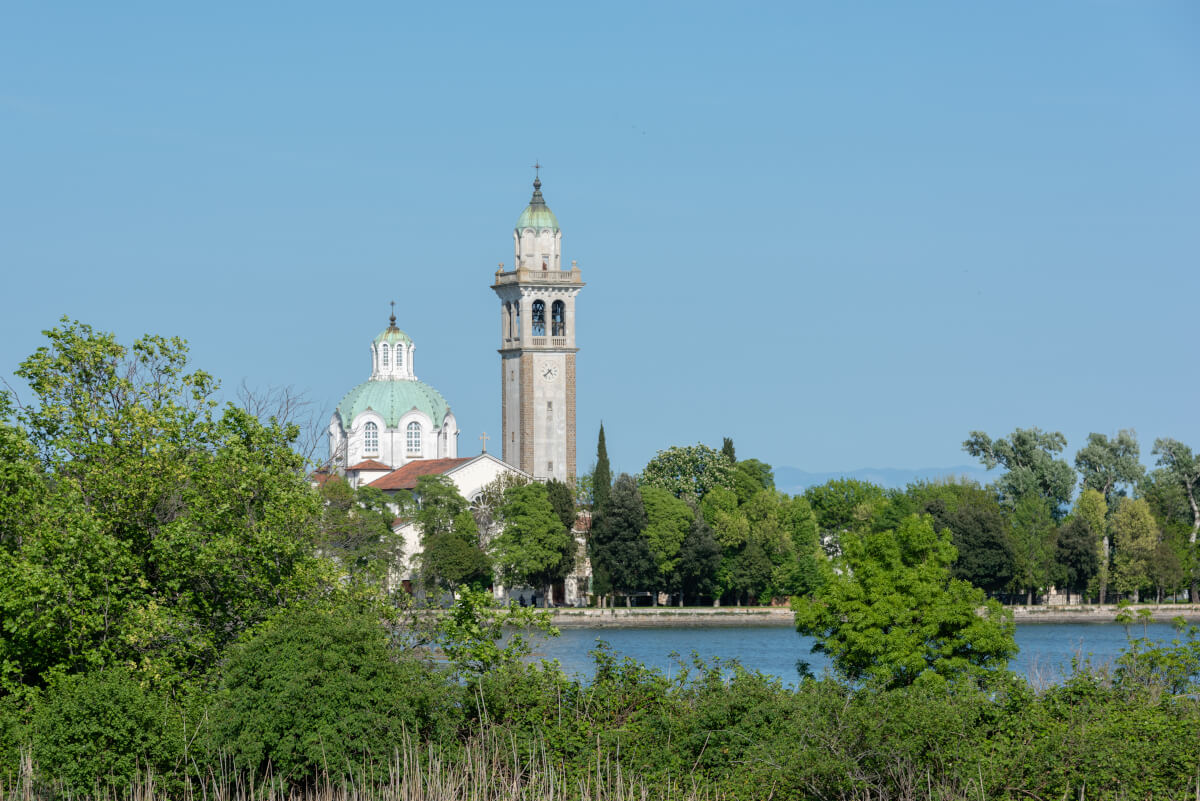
(699, 559)
(1090, 507)
(439, 504)
(454, 558)
(751, 572)
(166, 529)
(562, 499)
(1166, 565)
(727, 450)
(1028, 455)
(1182, 468)
(318, 688)
(618, 543)
(601, 476)
(1032, 535)
(751, 477)
(668, 521)
(1106, 464)
(451, 552)
(844, 504)
(979, 533)
(889, 611)
(356, 527)
(799, 573)
(1076, 556)
(688, 472)
(535, 549)
(1135, 538)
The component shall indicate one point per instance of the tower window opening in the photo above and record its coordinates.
(371, 438)
(508, 319)
(558, 318)
(383, 356)
(413, 437)
(399, 358)
(539, 318)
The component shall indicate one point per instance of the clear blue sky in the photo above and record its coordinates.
(844, 234)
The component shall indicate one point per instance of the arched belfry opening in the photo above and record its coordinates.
(558, 319)
(538, 318)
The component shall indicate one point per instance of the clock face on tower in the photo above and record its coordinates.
(550, 372)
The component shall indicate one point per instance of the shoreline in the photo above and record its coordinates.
(669, 616)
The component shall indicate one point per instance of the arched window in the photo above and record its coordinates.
(558, 318)
(383, 356)
(413, 437)
(399, 354)
(539, 318)
(371, 438)
(508, 320)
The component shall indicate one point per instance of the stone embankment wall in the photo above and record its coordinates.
(782, 616)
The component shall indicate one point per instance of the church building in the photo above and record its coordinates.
(393, 428)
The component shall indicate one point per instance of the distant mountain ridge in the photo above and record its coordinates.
(793, 480)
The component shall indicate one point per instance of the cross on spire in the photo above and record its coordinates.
(536, 168)
(393, 317)
(484, 438)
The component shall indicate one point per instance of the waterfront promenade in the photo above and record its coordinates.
(668, 616)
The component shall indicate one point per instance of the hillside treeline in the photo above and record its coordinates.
(703, 526)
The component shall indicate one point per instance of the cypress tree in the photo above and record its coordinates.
(601, 477)
(727, 450)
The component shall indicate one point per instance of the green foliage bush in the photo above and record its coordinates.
(106, 727)
(319, 690)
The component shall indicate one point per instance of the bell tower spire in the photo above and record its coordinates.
(538, 346)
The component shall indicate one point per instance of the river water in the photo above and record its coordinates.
(1046, 648)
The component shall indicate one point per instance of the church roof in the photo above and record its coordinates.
(406, 477)
(369, 464)
(392, 334)
(537, 214)
(392, 400)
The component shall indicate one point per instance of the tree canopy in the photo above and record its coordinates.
(889, 611)
(1028, 456)
(690, 471)
(152, 530)
(535, 549)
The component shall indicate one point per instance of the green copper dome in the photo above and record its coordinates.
(392, 400)
(392, 334)
(537, 214)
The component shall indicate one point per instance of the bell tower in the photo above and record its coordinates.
(537, 346)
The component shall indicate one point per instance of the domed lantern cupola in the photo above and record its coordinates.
(537, 240)
(392, 353)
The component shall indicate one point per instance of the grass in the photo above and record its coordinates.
(489, 768)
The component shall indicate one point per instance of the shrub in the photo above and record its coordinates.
(320, 692)
(105, 727)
